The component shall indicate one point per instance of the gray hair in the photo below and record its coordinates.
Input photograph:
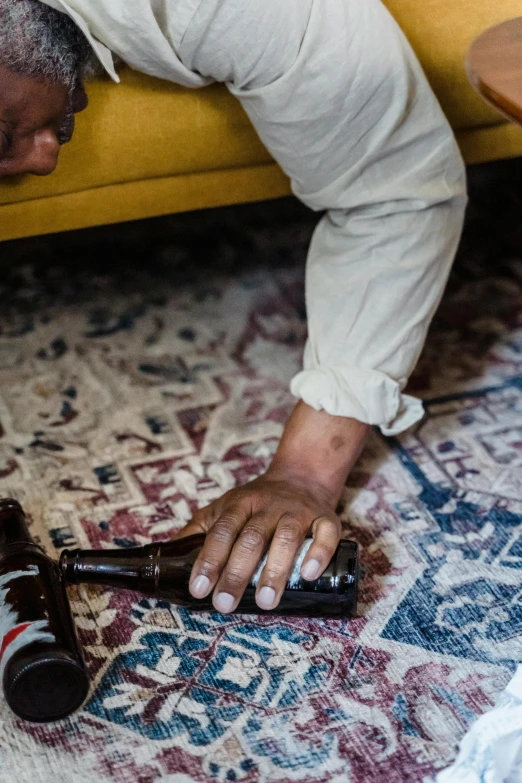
(36, 40)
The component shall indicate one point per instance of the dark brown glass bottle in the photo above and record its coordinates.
(42, 669)
(163, 570)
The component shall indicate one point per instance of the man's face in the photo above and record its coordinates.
(36, 117)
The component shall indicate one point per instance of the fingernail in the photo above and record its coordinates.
(266, 598)
(200, 586)
(311, 570)
(224, 602)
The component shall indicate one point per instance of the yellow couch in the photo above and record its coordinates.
(148, 148)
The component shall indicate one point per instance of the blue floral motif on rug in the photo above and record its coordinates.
(207, 675)
(468, 599)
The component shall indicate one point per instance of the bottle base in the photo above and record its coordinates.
(42, 688)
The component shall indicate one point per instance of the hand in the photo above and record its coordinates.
(272, 513)
(298, 495)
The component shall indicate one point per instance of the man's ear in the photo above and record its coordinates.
(79, 99)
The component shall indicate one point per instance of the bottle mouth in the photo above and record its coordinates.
(67, 565)
(14, 531)
(10, 504)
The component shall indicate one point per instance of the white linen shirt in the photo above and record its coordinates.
(340, 100)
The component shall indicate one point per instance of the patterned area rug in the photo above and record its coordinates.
(144, 371)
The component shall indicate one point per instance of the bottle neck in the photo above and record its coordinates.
(134, 569)
(14, 533)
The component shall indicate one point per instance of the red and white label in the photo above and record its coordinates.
(15, 634)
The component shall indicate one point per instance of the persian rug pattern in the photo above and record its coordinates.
(133, 392)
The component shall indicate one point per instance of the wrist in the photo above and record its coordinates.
(317, 451)
(297, 476)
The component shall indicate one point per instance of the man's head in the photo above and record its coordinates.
(44, 58)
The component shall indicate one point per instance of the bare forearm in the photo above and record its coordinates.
(318, 449)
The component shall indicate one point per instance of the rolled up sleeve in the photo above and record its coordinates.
(339, 99)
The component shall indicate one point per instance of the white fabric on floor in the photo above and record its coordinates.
(491, 751)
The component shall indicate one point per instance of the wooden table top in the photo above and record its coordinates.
(495, 67)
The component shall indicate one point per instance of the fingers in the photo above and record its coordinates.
(243, 561)
(214, 554)
(286, 543)
(326, 533)
(237, 538)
